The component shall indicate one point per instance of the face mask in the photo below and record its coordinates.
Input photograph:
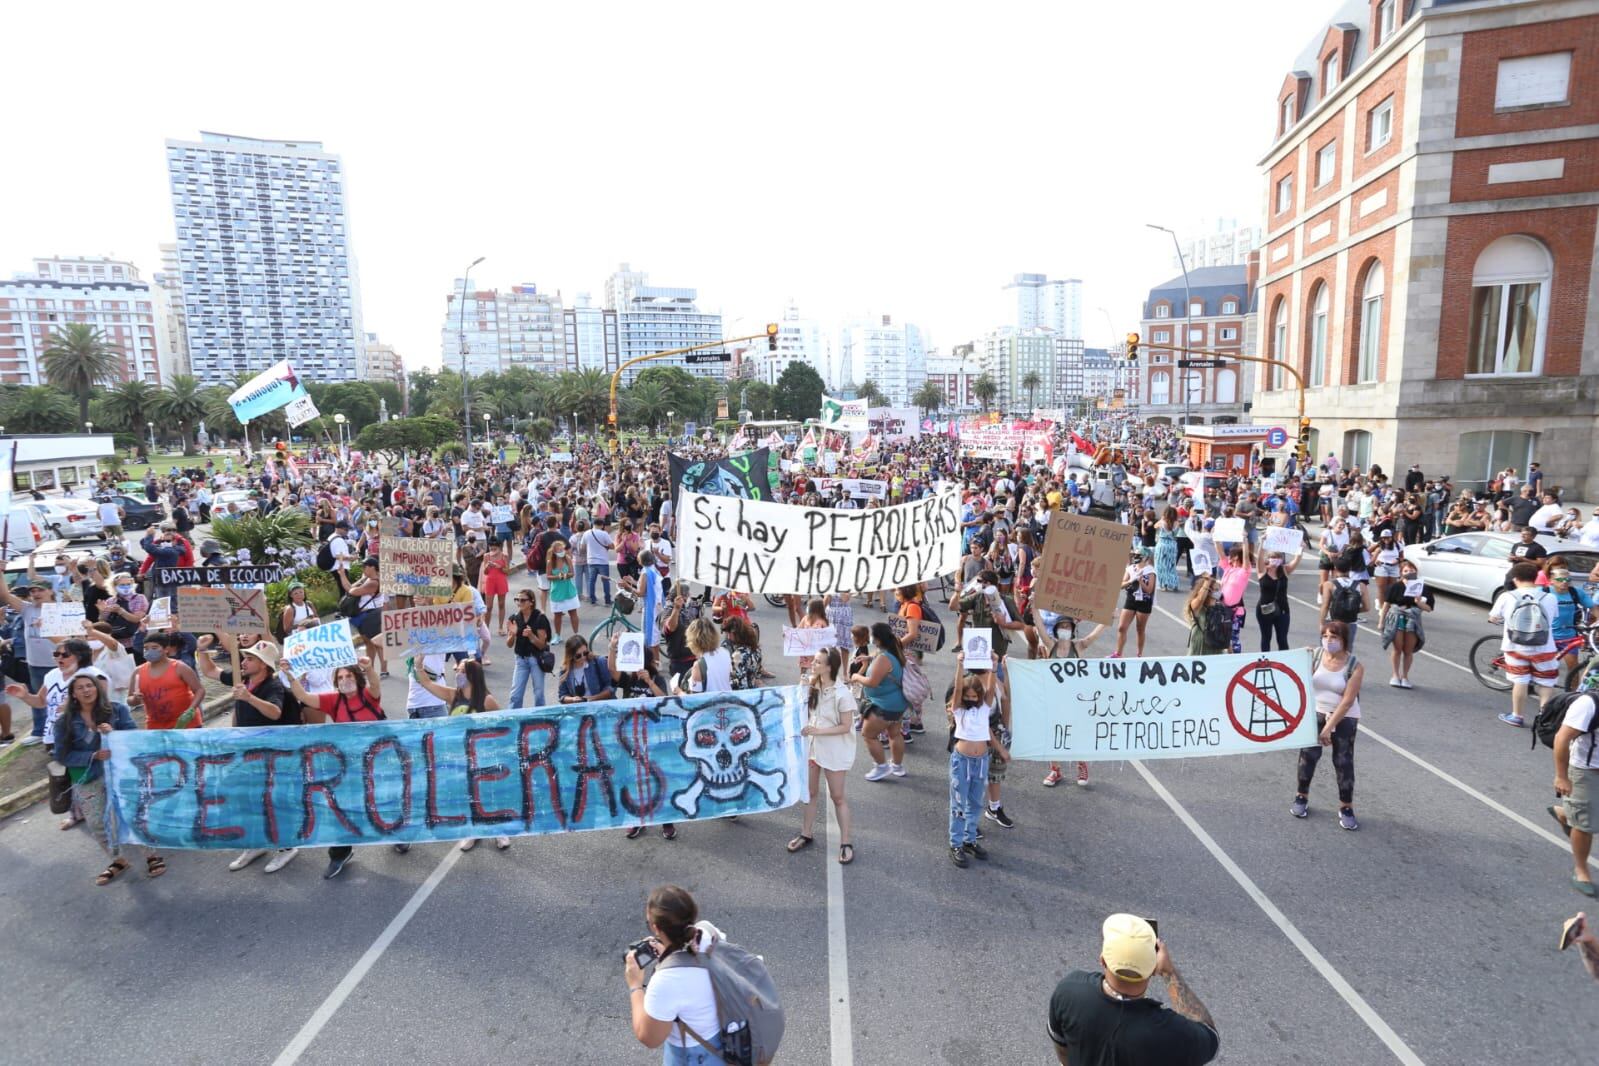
(1275, 561)
(61, 569)
(153, 654)
(124, 590)
(1331, 646)
(347, 686)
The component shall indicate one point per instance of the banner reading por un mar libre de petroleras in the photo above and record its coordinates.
(525, 772)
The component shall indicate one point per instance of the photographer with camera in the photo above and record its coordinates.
(677, 1007)
(1106, 1017)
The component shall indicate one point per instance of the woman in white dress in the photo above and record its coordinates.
(832, 747)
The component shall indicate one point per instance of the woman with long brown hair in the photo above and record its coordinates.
(830, 748)
(86, 718)
(882, 684)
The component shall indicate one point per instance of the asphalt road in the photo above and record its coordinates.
(1427, 936)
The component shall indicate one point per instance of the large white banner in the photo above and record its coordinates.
(1003, 440)
(759, 547)
(1162, 708)
(847, 415)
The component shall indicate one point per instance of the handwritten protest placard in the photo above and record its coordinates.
(321, 647)
(217, 575)
(1228, 531)
(798, 641)
(225, 610)
(502, 514)
(1160, 708)
(523, 772)
(1081, 567)
(1283, 539)
(977, 648)
(429, 630)
(629, 653)
(928, 634)
(61, 620)
(416, 566)
(759, 547)
(160, 616)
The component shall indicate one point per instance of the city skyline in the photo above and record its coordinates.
(748, 236)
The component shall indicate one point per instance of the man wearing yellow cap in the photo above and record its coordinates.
(1105, 1017)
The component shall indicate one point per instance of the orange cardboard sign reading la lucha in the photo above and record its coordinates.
(1080, 571)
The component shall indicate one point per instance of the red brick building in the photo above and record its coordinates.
(1431, 202)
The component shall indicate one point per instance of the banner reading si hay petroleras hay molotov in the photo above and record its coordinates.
(516, 773)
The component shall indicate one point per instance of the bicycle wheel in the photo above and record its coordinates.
(1487, 665)
(776, 601)
(600, 635)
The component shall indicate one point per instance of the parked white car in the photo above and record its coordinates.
(240, 498)
(1475, 564)
(67, 519)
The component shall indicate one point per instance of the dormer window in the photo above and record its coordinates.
(1288, 113)
(1329, 75)
(1385, 21)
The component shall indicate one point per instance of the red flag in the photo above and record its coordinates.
(1083, 445)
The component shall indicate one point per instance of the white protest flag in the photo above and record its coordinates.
(847, 415)
(770, 548)
(301, 410)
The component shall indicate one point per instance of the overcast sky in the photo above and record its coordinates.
(892, 158)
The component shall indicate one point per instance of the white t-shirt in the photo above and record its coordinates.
(339, 546)
(417, 696)
(682, 992)
(110, 514)
(1590, 533)
(1579, 716)
(1545, 517)
(1506, 603)
(599, 547)
(971, 723)
(471, 519)
(55, 694)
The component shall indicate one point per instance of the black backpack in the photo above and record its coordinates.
(1553, 714)
(1346, 602)
(324, 556)
(1219, 625)
(929, 616)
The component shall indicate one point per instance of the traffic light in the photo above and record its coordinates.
(771, 336)
(1304, 436)
(1132, 347)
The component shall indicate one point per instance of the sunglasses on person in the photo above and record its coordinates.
(61, 655)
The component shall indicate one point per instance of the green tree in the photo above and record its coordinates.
(181, 405)
(585, 392)
(357, 401)
(645, 404)
(872, 395)
(675, 382)
(420, 387)
(1030, 382)
(407, 434)
(37, 409)
(798, 393)
(929, 398)
(389, 393)
(78, 358)
(131, 404)
(758, 399)
(986, 389)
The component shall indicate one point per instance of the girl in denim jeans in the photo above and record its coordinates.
(974, 742)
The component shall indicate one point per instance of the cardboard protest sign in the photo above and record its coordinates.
(416, 566)
(224, 610)
(61, 620)
(217, 575)
(798, 641)
(429, 630)
(321, 647)
(977, 649)
(502, 514)
(927, 634)
(1161, 708)
(1228, 531)
(1081, 567)
(629, 653)
(761, 548)
(160, 616)
(521, 772)
(1283, 539)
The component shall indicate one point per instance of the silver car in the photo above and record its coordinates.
(68, 519)
(1476, 564)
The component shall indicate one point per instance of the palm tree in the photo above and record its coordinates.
(131, 403)
(872, 395)
(646, 404)
(929, 398)
(38, 409)
(586, 392)
(1030, 382)
(986, 389)
(182, 405)
(79, 358)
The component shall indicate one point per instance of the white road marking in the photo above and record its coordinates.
(1373, 1020)
(841, 1031)
(330, 1006)
(1559, 841)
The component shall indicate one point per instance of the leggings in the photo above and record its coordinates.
(1236, 644)
(1273, 623)
(1343, 758)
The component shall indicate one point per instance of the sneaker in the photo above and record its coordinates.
(468, 844)
(1513, 719)
(669, 831)
(281, 859)
(958, 857)
(636, 832)
(981, 835)
(906, 737)
(1404, 682)
(30, 741)
(1301, 807)
(246, 858)
(9, 738)
(897, 769)
(976, 851)
(502, 843)
(401, 849)
(997, 814)
(1346, 819)
(1394, 682)
(1052, 778)
(878, 772)
(1082, 774)
(917, 727)
(336, 867)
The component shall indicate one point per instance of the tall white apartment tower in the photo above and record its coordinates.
(264, 258)
(1037, 302)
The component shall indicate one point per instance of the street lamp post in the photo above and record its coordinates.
(339, 420)
(669, 416)
(1188, 308)
(466, 387)
(88, 427)
(152, 438)
(574, 430)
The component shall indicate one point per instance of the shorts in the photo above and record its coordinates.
(887, 716)
(1579, 804)
(998, 767)
(1140, 606)
(1324, 563)
(541, 582)
(113, 531)
(1385, 570)
(1528, 668)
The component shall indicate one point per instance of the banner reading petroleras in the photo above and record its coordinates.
(761, 548)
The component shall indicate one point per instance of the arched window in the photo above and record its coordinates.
(1318, 337)
(1160, 388)
(1226, 386)
(1279, 339)
(1370, 325)
(1357, 449)
(1509, 292)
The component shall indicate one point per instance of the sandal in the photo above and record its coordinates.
(68, 823)
(155, 866)
(112, 872)
(846, 854)
(800, 843)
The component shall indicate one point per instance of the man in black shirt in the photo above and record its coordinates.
(1522, 508)
(1107, 1018)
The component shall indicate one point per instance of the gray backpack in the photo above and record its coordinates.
(1527, 625)
(746, 1003)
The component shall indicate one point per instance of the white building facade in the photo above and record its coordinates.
(892, 357)
(1037, 302)
(591, 335)
(519, 326)
(264, 257)
(107, 293)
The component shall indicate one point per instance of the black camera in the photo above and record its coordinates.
(643, 952)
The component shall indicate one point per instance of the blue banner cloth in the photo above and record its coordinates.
(275, 387)
(610, 765)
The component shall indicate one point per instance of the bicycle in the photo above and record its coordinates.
(622, 605)
(1488, 662)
